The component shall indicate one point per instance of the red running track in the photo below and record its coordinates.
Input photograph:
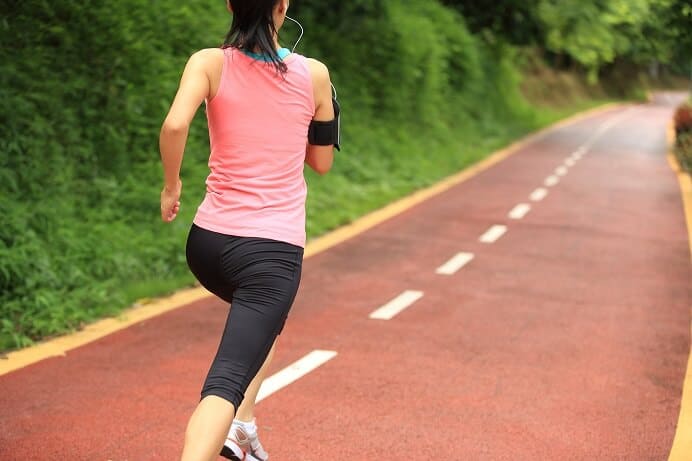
(567, 339)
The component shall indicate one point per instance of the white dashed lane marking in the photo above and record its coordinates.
(453, 265)
(519, 211)
(539, 194)
(396, 305)
(561, 171)
(551, 180)
(294, 372)
(493, 234)
(570, 162)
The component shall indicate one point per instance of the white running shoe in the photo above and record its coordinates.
(232, 451)
(241, 443)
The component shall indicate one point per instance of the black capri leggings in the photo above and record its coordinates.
(260, 278)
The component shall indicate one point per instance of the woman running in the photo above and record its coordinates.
(246, 243)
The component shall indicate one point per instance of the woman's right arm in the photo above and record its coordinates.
(320, 158)
(194, 88)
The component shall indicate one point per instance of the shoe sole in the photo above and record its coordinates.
(228, 454)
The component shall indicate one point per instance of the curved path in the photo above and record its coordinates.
(539, 310)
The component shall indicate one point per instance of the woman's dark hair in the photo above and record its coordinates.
(253, 29)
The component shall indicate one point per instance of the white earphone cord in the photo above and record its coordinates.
(302, 32)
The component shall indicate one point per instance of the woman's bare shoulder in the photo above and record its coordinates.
(210, 55)
(318, 70)
(208, 61)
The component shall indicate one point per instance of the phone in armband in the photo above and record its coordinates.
(327, 133)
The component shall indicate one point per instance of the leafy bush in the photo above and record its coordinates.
(683, 118)
(83, 90)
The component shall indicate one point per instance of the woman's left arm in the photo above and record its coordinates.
(193, 89)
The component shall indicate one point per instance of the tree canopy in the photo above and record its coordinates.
(592, 33)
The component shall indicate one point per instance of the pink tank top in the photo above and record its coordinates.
(258, 124)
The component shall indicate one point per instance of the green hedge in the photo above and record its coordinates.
(83, 91)
(86, 84)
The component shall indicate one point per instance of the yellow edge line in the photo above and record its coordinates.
(682, 443)
(59, 346)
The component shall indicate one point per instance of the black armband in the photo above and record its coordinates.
(327, 133)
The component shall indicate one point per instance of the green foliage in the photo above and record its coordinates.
(594, 32)
(86, 84)
(83, 90)
(664, 36)
(513, 20)
(683, 135)
(590, 33)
